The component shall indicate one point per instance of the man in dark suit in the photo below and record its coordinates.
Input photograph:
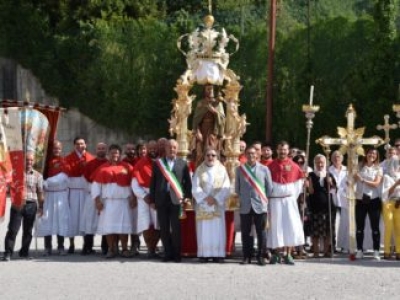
(253, 183)
(169, 186)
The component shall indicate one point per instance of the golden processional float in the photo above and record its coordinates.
(216, 119)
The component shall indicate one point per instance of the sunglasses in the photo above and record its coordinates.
(211, 155)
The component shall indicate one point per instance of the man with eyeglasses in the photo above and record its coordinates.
(211, 188)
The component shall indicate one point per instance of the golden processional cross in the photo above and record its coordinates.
(386, 127)
(351, 142)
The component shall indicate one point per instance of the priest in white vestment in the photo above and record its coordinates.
(210, 189)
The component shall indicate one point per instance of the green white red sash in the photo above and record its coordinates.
(254, 181)
(170, 177)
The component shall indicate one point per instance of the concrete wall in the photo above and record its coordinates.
(17, 83)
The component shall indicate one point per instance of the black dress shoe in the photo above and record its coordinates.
(177, 259)
(246, 261)
(153, 255)
(6, 257)
(166, 259)
(88, 252)
(218, 260)
(71, 250)
(203, 260)
(25, 256)
(261, 261)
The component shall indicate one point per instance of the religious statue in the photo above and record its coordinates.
(208, 124)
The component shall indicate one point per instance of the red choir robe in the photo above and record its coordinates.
(57, 165)
(91, 167)
(76, 164)
(286, 228)
(120, 173)
(143, 171)
(77, 189)
(285, 171)
(112, 182)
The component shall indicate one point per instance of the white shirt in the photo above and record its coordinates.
(369, 174)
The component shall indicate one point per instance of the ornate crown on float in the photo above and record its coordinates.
(207, 57)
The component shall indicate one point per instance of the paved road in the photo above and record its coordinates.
(78, 277)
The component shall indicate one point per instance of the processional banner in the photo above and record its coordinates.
(25, 130)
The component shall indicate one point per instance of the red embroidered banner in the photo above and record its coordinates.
(26, 130)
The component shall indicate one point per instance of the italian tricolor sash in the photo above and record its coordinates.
(254, 182)
(170, 177)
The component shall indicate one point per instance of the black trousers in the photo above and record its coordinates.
(88, 242)
(104, 245)
(259, 221)
(170, 229)
(26, 216)
(48, 245)
(373, 210)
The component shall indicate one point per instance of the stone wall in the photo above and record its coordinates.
(17, 83)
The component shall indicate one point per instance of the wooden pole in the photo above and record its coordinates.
(270, 79)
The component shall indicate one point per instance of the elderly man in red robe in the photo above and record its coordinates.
(76, 162)
(147, 215)
(111, 189)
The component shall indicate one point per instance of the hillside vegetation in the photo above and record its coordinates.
(117, 60)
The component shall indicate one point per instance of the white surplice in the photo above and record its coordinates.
(77, 198)
(117, 215)
(56, 213)
(285, 226)
(146, 216)
(88, 224)
(210, 220)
